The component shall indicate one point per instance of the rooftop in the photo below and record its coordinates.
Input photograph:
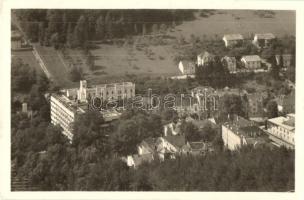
(73, 106)
(177, 140)
(201, 123)
(229, 58)
(287, 56)
(203, 89)
(233, 37)
(110, 115)
(187, 62)
(139, 159)
(197, 145)
(285, 122)
(251, 58)
(244, 127)
(15, 35)
(149, 143)
(112, 85)
(206, 54)
(264, 36)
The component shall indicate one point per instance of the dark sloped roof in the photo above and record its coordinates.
(177, 140)
(142, 158)
(233, 37)
(149, 143)
(265, 36)
(197, 145)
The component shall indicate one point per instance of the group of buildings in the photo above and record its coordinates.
(172, 143)
(260, 40)
(236, 133)
(207, 101)
(247, 63)
(75, 101)
(279, 131)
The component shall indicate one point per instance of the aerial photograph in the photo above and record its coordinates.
(153, 100)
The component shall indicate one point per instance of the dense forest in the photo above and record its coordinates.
(44, 156)
(76, 27)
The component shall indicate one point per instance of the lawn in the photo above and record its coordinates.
(144, 56)
(152, 60)
(246, 22)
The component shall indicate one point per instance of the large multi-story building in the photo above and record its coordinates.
(65, 107)
(208, 101)
(282, 130)
(106, 92)
(240, 132)
(63, 113)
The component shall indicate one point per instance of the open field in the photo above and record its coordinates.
(157, 60)
(246, 22)
(143, 57)
(152, 60)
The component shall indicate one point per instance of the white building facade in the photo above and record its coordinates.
(251, 62)
(63, 114)
(283, 128)
(263, 40)
(186, 67)
(231, 139)
(232, 40)
(113, 91)
(204, 58)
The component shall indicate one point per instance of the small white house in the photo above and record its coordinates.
(186, 67)
(251, 62)
(263, 40)
(204, 58)
(232, 40)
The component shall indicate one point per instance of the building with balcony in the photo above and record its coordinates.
(71, 102)
(106, 92)
(282, 130)
(63, 113)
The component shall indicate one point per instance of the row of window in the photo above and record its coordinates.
(59, 115)
(283, 133)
